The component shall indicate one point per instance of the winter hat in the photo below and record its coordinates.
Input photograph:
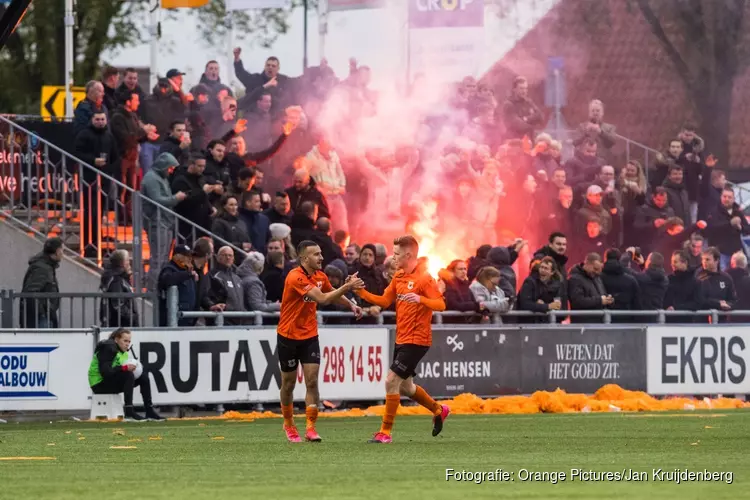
(341, 266)
(371, 247)
(499, 256)
(279, 231)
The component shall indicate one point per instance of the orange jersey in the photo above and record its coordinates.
(413, 321)
(299, 319)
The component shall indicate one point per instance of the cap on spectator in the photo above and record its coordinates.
(594, 189)
(174, 72)
(182, 250)
(279, 231)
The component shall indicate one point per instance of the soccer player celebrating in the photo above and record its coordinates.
(297, 339)
(417, 296)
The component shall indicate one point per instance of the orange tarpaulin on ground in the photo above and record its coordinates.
(609, 398)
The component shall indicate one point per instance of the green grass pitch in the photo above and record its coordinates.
(192, 461)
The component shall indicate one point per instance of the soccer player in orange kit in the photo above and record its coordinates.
(417, 295)
(297, 340)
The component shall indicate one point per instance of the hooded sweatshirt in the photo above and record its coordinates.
(494, 302)
(502, 258)
(116, 312)
(155, 186)
(584, 293)
(254, 291)
(622, 286)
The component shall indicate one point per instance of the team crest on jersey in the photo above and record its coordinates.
(410, 285)
(320, 284)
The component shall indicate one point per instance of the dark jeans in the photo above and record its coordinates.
(125, 382)
(91, 216)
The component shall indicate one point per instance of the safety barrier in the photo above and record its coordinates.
(46, 369)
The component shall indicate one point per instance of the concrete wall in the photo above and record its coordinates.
(17, 247)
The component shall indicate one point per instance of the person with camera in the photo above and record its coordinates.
(112, 371)
(650, 275)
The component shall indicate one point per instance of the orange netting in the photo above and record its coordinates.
(608, 398)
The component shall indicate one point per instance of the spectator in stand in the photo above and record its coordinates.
(259, 134)
(560, 216)
(119, 311)
(351, 257)
(226, 285)
(93, 102)
(741, 279)
(110, 79)
(256, 222)
(203, 253)
(611, 196)
(478, 261)
(544, 161)
(585, 164)
(161, 109)
(716, 288)
(594, 209)
(342, 239)
(653, 283)
(305, 190)
(41, 277)
(280, 212)
(684, 291)
(280, 91)
(694, 248)
(95, 145)
(457, 294)
(283, 234)
(622, 286)
(691, 160)
(324, 166)
(244, 182)
(726, 226)
(712, 184)
(381, 253)
(303, 228)
(238, 157)
(159, 224)
(177, 143)
(632, 196)
(129, 134)
(197, 117)
(502, 258)
(211, 80)
(230, 228)
(672, 235)
(651, 217)
(255, 295)
(520, 115)
(196, 206)
(372, 276)
(603, 133)
(558, 245)
(666, 160)
(586, 291)
(130, 84)
(677, 194)
(543, 291)
(324, 226)
(273, 276)
(390, 268)
(487, 292)
(178, 272)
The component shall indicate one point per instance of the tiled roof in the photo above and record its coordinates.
(611, 54)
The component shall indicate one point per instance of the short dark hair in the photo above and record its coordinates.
(483, 251)
(246, 173)
(175, 123)
(202, 248)
(273, 58)
(658, 191)
(195, 156)
(211, 62)
(307, 208)
(689, 126)
(356, 247)
(52, 245)
(340, 236)
(214, 143)
(556, 234)
(728, 188)
(109, 71)
(407, 241)
(129, 70)
(655, 261)
(593, 257)
(333, 272)
(682, 254)
(612, 254)
(518, 80)
(249, 195)
(675, 140)
(263, 94)
(124, 97)
(304, 245)
(713, 252)
(588, 141)
(281, 194)
(674, 167)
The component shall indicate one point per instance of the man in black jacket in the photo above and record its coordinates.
(95, 145)
(620, 285)
(196, 206)
(683, 291)
(118, 312)
(303, 228)
(304, 189)
(177, 142)
(650, 217)
(726, 226)
(281, 211)
(128, 134)
(653, 283)
(586, 290)
(41, 277)
(717, 288)
(558, 244)
(226, 285)
(741, 278)
(678, 195)
(178, 272)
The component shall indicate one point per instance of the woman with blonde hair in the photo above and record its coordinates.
(487, 291)
(633, 193)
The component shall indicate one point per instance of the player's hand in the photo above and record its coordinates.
(412, 298)
(357, 312)
(354, 282)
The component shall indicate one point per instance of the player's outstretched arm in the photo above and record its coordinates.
(432, 298)
(383, 301)
(332, 296)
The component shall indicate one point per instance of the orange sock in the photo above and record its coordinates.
(392, 401)
(312, 416)
(421, 397)
(288, 412)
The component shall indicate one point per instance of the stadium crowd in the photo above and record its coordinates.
(287, 162)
